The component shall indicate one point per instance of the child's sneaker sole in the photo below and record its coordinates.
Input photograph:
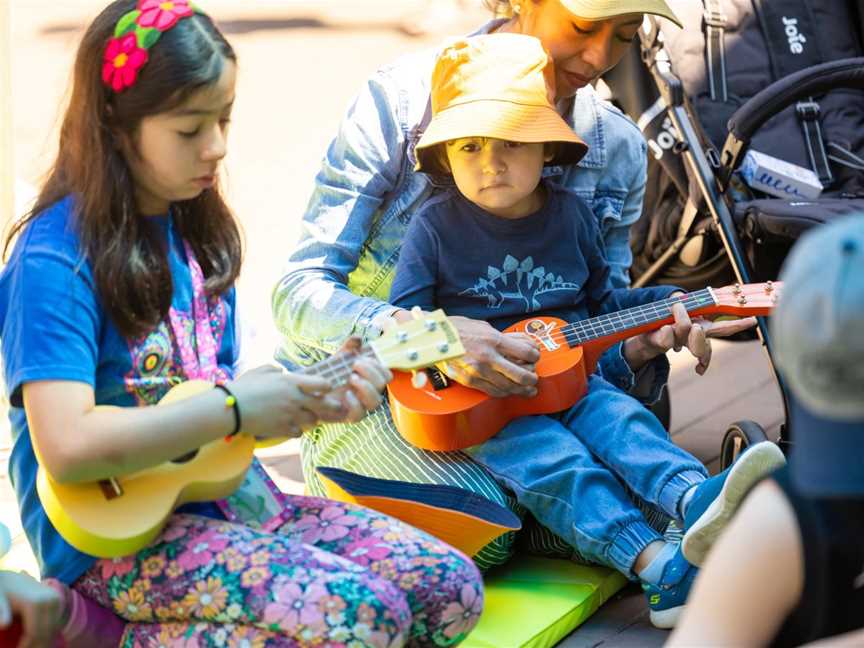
(757, 462)
(666, 619)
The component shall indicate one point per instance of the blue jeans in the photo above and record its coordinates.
(573, 470)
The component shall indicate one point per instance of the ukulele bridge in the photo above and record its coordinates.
(111, 488)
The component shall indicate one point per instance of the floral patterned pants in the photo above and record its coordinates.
(333, 575)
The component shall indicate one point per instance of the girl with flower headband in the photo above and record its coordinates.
(121, 284)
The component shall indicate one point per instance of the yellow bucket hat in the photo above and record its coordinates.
(603, 9)
(500, 86)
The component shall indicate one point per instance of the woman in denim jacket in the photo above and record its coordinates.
(338, 277)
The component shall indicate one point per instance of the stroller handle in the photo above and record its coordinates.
(749, 118)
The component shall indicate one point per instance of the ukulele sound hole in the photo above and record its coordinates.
(437, 379)
(186, 458)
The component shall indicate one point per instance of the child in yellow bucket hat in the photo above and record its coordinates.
(475, 95)
(507, 243)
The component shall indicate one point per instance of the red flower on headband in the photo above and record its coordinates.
(161, 14)
(123, 59)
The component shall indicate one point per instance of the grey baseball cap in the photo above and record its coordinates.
(818, 334)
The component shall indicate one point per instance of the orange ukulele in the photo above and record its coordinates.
(445, 415)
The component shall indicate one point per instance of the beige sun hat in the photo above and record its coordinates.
(603, 9)
(499, 86)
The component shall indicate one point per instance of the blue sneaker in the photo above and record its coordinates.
(666, 599)
(717, 498)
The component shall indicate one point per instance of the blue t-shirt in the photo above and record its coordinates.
(53, 327)
(458, 257)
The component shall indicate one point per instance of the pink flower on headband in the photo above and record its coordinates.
(123, 59)
(162, 15)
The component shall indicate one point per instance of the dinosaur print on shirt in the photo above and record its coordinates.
(521, 281)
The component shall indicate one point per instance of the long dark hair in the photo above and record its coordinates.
(129, 261)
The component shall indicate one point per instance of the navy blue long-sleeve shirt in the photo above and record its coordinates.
(458, 257)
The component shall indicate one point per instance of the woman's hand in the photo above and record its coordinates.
(38, 606)
(496, 363)
(683, 332)
(276, 403)
(365, 386)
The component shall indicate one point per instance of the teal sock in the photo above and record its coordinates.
(654, 571)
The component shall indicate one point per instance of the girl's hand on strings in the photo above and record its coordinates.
(363, 393)
(276, 403)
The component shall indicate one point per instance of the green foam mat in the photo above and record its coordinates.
(535, 602)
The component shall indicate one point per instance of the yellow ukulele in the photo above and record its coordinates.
(118, 516)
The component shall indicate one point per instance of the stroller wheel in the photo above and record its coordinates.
(739, 436)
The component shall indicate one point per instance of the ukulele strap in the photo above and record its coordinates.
(257, 503)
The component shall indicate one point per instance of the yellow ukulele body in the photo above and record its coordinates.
(98, 520)
(120, 516)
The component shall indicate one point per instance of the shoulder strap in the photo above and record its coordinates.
(808, 114)
(790, 35)
(792, 44)
(714, 24)
(258, 502)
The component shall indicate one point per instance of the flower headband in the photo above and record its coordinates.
(135, 33)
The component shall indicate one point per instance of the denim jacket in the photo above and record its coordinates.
(338, 276)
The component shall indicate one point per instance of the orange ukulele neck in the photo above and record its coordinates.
(597, 334)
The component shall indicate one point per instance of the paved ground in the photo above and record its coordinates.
(300, 64)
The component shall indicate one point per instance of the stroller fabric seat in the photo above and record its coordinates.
(789, 219)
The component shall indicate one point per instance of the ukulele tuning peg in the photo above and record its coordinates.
(413, 356)
(417, 312)
(737, 289)
(769, 287)
(443, 348)
(742, 300)
(418, 379)
(431, 325)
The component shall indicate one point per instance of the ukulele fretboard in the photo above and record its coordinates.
(606, 325)
(338, 368)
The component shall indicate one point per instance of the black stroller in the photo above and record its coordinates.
(742, 74)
